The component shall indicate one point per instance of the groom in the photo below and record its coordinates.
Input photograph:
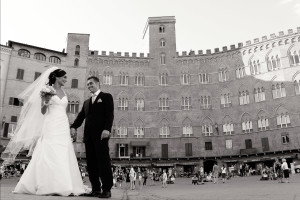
(98, 112)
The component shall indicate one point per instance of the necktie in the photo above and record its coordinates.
(93, 97)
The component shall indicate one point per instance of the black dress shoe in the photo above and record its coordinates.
(91, 194)
(105, 195)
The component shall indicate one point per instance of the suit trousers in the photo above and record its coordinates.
(98, 164)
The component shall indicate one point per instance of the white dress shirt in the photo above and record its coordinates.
(94, 95)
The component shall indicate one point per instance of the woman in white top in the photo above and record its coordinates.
(285, 169)
(223, 169)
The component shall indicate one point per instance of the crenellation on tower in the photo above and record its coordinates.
(290, 31)
(256, 40)
(232, 47)
(217, 50)
(208, 51)
(273, 35)
(103, 53)
(281, 33)
(264, 38)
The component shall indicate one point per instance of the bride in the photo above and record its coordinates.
(43, 129)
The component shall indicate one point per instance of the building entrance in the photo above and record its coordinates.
(208, 165)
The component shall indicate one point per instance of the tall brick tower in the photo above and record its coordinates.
(162, 40)
(77, 49)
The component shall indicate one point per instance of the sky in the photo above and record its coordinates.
(117, 25)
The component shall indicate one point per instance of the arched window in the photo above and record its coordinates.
(24, 53)
(294, 57)
(255, 67)
(123, 103)
(107, 78)
(162, 59)
(40, 56)
(186, 103)
(161, 29)
(225, 100)
(163, 103)
(54, 59)
(163, 79)
(187, 129)
(244, 97)
(259, 94)
(77, 50)
(205, 102)
(76, 62)
(185, 79)
(162, 43)
(278, 91)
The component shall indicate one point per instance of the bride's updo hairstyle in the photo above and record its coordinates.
(56, 73)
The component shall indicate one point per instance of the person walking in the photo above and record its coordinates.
(223, 172)
(164, 179)
(132, 175)
(285, 169)
(215, 173)
(98, 113)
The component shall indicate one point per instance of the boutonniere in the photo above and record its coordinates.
(99, 101)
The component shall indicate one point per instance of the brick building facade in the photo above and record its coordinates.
(180, 110)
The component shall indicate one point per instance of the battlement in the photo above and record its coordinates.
(118, 54)
(239, 45)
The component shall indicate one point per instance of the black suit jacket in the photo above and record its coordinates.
(98, 116)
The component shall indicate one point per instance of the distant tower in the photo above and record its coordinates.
(162, 40)
(77, 49)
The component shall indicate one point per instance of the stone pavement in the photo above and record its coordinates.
(237, 188)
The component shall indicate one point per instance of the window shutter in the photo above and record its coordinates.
(126, 150)
(117, 150)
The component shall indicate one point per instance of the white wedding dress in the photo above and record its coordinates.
(53, 168)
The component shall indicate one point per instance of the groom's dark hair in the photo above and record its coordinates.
(96, 79)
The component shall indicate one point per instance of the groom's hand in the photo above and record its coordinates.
(73, 134)
(105, 134)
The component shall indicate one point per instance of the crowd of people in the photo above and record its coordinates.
(13, 170)
(138, 177)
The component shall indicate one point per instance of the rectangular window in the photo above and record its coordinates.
(15, 102)
(74, 83)
(36, 75)
(228, 144)
(265, 144)
(20, 74)
(188, 149)
(73, 107)
(164, 151)
(14, 119)
(208, 145)
(163, 79)
(285, 139)
(122, 150)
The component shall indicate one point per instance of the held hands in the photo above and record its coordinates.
(46, 100)
(73, 134)
(105, 134)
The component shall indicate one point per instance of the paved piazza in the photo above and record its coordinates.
(237, 188)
